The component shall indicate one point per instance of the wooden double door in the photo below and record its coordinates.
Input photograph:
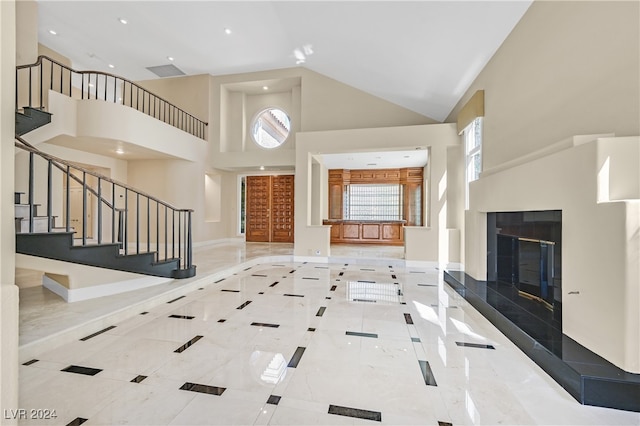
(269, 209)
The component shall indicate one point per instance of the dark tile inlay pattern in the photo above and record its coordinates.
(244, 304)
(273, 399)
(87, 371)
(186, 345)
(364, 300)
(359, 334)
(429, 379)
(195, 387)
(394, 276)
(258, 275)
(176, 299)
(366, 282)
(33, 361)
(475, 345)
(265, 324)
(341, 274)
(310, 278)
(415, 339)
(428, 285)
(321, 267)
(367, 269)
(222, 320)
(444, 423)
(292, 271)
(261, 292)
(295, 359)
(189, 317)
(246, 269)
(293, 295)
(333, 288)
(144, 313)
(77, 421)
(327, 297)
(274, 284)
(138, 379)
(98, 333)
(321, 311)
(219, 281)
(355, 412)
(408, 319)
(311, 329)
(230, 291)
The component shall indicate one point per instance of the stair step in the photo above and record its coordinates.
(30, 119)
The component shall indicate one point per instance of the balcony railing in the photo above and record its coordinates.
(108, 211)
(34, 80)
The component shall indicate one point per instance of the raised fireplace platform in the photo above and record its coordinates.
(588, 377)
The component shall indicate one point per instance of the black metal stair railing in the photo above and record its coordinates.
(109, 211)
(34, 80)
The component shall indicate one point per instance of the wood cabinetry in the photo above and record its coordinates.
(345, 230)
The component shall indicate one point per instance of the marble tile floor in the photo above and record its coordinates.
(301, 343)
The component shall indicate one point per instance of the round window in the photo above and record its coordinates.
(270, 128)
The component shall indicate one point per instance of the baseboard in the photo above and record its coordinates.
(311, 259)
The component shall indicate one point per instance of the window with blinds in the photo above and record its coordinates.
(373, 202)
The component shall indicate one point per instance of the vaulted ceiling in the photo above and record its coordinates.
(422, 55)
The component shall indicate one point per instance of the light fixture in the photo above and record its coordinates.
(171, 58)
(111, 66)
(265, 87)
(52, 32)
(227, 31)
(123, 21)
(261, 167)
(119, 151)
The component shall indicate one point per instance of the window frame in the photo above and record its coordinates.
(472, 135)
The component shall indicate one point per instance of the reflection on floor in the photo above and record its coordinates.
(279, 342)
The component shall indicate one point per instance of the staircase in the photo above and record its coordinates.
(135, 232)
(30, 119)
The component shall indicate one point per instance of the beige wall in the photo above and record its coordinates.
(568, 68)
(8, 289)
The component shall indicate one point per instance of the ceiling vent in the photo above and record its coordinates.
(168, 70)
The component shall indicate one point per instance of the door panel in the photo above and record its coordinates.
(282, 209)
(258, 208)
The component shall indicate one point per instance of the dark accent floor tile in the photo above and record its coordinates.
(278, 265)
(230, 291)
(366, 282)
(176, 299)
(415, 339)
(201, 288)
(333, 288)
(259, 275)
(364, 300)
(417, 272)
(195, 387)
(311, 329)
(327, 297)
(408, 319)
(138, 379)
(87, 371)
(355, 412)
(367, 269)
(77, 421)
(310, 278)
(244, 304)
(33, 361)
(403, 303)
(393, 276)
(144, 313)
(265, 324)
(98, 333)
(427, 285)
(293, 295)
(321, 267)
(341, 274)
(246, 269)
(186, 345)
(295, 359)
(219, 281)
(475, 345)
(321, 311)
(274, 284)
(359, 334)
(427, 374)
(189, 317)
(222, 320)
(261, 292)
(273, 399)
(452, 307)
(444, 423)
(292, 271)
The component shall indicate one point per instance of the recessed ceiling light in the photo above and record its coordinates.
(111, 66)
(123, 21)
(171, 58)
(261, 167)
(52, 32)
(265, 87)
(227, 31)
(119, 151)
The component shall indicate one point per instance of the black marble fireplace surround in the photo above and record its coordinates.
(589, 378)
